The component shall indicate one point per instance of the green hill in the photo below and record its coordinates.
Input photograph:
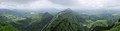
(64, 21)
(38, 25)
(7, 27)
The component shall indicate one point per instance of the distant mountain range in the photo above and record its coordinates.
(64, 20)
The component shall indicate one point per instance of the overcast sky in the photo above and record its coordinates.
(59, 4)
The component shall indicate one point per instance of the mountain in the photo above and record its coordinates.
(63, 21)
(9, 18)
(5, 11)
(116, 26)
(7, 27)
(16, 12)
(13, 20)
(38, 25)
(33, 22)
(53, 20)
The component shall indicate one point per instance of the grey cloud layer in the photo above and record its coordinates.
(69, 3)
(64, 2)
(18, 1)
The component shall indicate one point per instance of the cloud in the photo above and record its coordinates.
(18, 1)
(88, 3)
(112, 3)
(79, 3)
(59, 3)
(42, 3)
(27, 4)
(14, 3)
(64, 2)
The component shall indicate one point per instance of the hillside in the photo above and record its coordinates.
(38, 25)
(63, 21)
(7, 27)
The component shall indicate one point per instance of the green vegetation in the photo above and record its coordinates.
(66, 20)
(7, 27)
(39, 24)
(116, 27)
